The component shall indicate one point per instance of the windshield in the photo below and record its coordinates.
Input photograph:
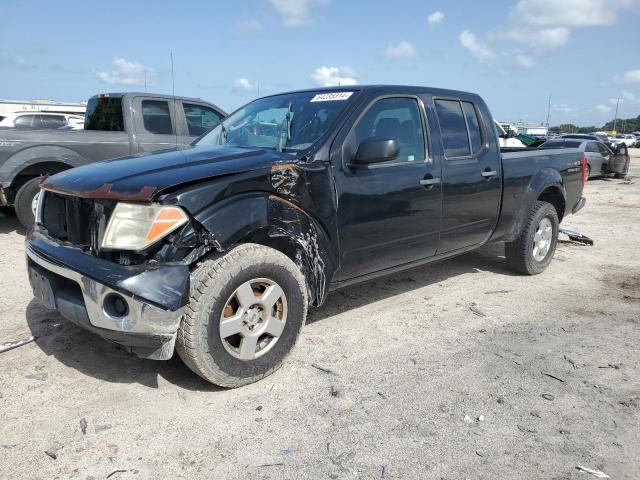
(283, 122)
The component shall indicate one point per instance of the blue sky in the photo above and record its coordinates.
(514, 53)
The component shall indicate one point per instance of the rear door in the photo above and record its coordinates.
(388, 213)
(472, 174)
(595, 158)
(155, 124)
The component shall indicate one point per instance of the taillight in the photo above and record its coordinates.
(585, 169)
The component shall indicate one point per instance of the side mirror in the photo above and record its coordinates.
(376, 150)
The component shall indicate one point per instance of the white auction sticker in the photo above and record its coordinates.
(330, 97)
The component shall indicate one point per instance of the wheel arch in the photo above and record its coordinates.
(273, 221)
(548, 186)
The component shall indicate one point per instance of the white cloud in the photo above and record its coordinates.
(435, 17)
(542, 25)
(295, 13)
(603, 108)
(525, 61)
(243, 84)
(126, 72)
(564, 108)
(540, 39)
(630, 97)
(479, 50)
(334, 76)
(570, 13)
(632, 76)
(401, 50)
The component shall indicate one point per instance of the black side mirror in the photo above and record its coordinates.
(376, 150)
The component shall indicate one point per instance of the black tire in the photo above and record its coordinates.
(519, 253)
(23, 201)
(214, 281)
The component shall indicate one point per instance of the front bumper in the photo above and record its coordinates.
(149, 315)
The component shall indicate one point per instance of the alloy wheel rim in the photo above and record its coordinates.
(34, 203)
(542, 239)
(253, 319)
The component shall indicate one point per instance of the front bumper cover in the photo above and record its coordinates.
(77, 285)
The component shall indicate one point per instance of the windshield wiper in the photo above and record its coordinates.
(287, 119)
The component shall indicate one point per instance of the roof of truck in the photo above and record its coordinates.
(142, 94)
(396, 88)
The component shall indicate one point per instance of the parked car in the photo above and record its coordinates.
(116, 125)
(601, 160)
(604, 138)
(217, 249)
(637, 135)
(626, 138)
(40, 120)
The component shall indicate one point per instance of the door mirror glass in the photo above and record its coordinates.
(377, 150)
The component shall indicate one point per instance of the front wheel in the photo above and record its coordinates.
(533, 250)
(244, 316)
(25, 202)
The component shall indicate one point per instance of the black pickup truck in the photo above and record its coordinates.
(116, 125)
(217, 250)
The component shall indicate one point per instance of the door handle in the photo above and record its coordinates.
(489, 173)
(430, 181)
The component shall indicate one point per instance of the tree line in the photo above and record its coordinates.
(622, 125)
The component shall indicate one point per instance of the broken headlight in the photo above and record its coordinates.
(134, 226)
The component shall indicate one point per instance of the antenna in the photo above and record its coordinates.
(173, 94)
(548, 110)
(615, 119)
(145, 80)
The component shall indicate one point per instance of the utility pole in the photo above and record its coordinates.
(548, 110)
(615, 119)
(145, 79)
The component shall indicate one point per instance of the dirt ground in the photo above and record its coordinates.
(456, 370)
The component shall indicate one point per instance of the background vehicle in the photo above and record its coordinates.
(219, 248)
(604, 138)
(507, 139)
(626, 138)
(601, 159)
(40, 120)
(116, 124)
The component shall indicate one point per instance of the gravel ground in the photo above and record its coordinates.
(457, 370)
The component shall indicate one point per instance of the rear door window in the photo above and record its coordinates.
(592, 147)
(52, 121)
(453, 128)
(200, 119)
(157, 117)
(473, 123)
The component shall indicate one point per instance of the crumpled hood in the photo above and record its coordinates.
(141, 177)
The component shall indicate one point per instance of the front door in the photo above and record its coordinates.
(388, 213)
(472, 176)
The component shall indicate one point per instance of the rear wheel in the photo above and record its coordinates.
(25, 202)
(533, 250)
(244, 316)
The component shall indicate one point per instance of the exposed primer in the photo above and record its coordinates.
(285, 178)
(292, 222)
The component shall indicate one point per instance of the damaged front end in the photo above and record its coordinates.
(134, 298)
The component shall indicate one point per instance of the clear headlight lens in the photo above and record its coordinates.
(134, 227)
